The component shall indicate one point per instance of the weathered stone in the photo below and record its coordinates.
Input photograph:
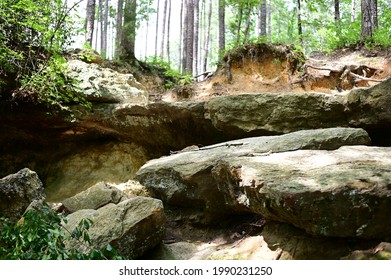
(185, 179)
(100, 84)
(132, 226)
(341, 193)
(17, 191)
(113, 163)
(270, 113)
(370, 108)
(93, 198)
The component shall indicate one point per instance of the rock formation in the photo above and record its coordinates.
(18, 191)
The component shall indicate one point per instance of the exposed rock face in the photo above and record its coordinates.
(132, 226)
(105, 85)
(93, 198)
(342, 193)
(370, 108)
(17, 191)
(189, 179)
(268, 113)
(112, 162)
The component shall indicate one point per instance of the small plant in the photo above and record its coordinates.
(173, 77)
(40, 235)
(50, 86)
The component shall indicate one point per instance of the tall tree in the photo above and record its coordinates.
(128, 38)
(221, 27)
(147, 29)
(299, 23)
(168, 31)
(188, 36)
(269, 20)
(157, 26)
(369, 20)
(90, 20)
(180, 50)
(248, 21)
(239, 25)
(207, 38)
(196, 5)
(337, 16)
(119, 23)
(263, 16)
(164, 28)
(104, 27)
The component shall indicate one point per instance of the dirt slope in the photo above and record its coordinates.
(256, 68)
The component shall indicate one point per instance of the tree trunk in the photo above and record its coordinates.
(164, 29)
(207, 38)
(299, 24)
(129, 31)
(221, 27)
(188, 36)
(180, 53)
(368, 19)
(90, 20)
(337, 16)
(263, 18)
(105, 23)
(119, 24)
(147, 30)
(157, 26)
(248, 21)
(168, 30)
(239, 27)
(196, 4)
(269, 20)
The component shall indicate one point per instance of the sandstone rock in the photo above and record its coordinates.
(113, 163)
(270, 113)
(341, 193)
(105, 85)
(17, 191)
(132, 226)
(186, 179)
(161, 126)
(370, 108)
(93, 198)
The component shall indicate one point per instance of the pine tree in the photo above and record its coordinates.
(90, 20)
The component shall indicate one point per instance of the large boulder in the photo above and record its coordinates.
(270, 113)
(17, 191)
(132, 226)
(370, 108)
(186, 178)
(95, 197)
(101, 84)
(341, 193)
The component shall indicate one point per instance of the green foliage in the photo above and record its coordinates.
(50, 86)
(33, 34)
(173, 77)
(40, 235)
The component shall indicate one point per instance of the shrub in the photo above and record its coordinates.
(40, 235)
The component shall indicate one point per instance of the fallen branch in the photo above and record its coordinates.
(365, 78)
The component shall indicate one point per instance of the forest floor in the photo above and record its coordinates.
(256, 70)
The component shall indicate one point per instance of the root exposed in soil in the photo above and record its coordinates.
(262, 67)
